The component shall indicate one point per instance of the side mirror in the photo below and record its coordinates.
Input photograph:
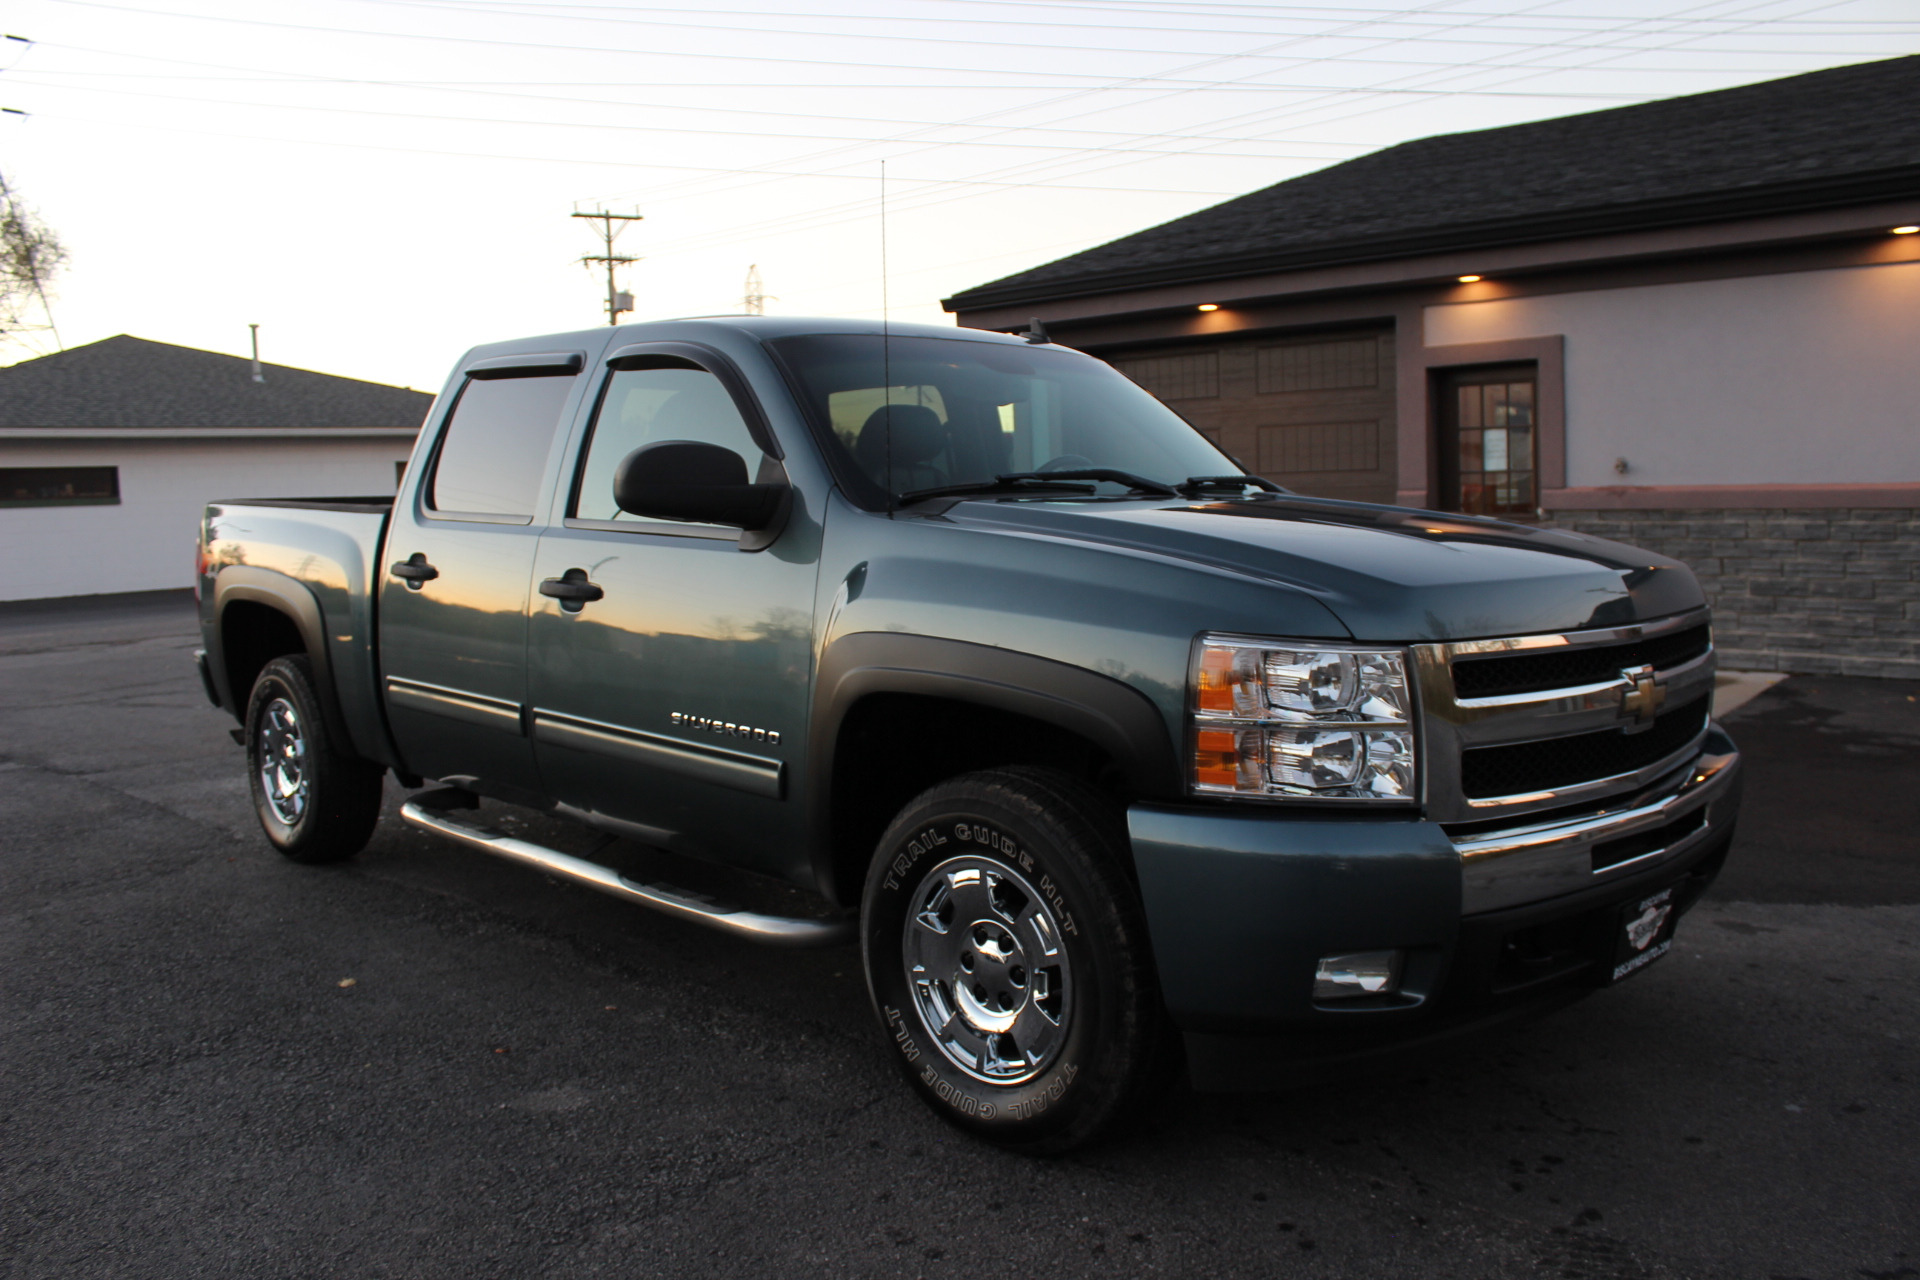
(692, 480)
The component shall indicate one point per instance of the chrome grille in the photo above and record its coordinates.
(1625, 706)
(1580, 757)
(1560, 669)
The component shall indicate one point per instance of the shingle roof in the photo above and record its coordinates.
(130, 382)
(1828, 138)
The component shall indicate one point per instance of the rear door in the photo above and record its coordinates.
(459, 561)
(677, 700)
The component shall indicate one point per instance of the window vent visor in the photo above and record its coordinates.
(542, 364)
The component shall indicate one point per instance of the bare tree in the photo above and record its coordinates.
(31, 255)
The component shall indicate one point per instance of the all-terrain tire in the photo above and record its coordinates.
(316, 802)
(1006, 953)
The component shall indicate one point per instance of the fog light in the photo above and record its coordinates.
(1364, 973)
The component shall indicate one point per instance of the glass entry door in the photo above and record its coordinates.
(1488, 440)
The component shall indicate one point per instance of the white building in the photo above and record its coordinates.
(109, 452)
(1688, 325)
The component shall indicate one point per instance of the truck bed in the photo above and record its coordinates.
(316, 560)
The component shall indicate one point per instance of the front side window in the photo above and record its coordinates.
(647, 406)
(1488, 441)
(963, 411)
(494, 452)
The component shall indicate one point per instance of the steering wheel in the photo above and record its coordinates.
(1066, 462)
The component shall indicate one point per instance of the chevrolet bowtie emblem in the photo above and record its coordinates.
(1643, 700)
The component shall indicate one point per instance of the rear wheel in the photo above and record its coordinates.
(315, 802)
(1007, 956)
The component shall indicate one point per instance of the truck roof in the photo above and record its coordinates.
(761, 328)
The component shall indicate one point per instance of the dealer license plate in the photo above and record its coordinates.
(1645, 933)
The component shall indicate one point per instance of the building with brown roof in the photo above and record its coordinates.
(1686, 324)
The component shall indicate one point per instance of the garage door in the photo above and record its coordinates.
(1315, 413)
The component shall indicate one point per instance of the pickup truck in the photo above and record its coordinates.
(1116, 759)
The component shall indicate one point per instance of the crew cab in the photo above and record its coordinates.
(1111, 756)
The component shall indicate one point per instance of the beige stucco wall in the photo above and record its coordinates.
(146, 541)
(1798, 378)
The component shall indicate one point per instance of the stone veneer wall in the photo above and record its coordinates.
(1815, 591)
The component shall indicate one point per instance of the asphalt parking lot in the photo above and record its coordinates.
(426, 1063)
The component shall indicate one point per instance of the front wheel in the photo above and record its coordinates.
(1007, 956)
(315, 802)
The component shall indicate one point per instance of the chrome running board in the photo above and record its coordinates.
(779, 931)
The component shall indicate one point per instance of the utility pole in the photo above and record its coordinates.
(757, 298)
(617, 301)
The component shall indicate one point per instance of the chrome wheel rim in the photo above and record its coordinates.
(989, 973)
(284, 779)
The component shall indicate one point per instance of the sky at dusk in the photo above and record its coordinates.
(381, 184)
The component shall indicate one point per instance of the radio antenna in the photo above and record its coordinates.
(886, 343)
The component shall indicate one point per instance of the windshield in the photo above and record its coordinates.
(928, 413)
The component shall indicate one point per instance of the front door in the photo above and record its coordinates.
(1488, 458)
(456, 575)
(676, 701)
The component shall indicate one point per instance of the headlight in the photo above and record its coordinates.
(1310, 721)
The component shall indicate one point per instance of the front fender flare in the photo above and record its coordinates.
(1113, 715)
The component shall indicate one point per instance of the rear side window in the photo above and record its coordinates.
(494, 452)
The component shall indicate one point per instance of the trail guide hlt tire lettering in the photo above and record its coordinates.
(1007, 957)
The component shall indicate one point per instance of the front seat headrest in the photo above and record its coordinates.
(918, 435)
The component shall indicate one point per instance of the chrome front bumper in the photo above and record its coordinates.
(1536, 861)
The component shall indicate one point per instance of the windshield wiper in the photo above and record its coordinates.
(1137, 484)
(1194, 486)
(1045, 482)
(1017, 483)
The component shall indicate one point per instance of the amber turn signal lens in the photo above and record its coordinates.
(1216, 760)
(1216, 681)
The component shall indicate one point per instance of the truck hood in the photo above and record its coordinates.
(1388, 573)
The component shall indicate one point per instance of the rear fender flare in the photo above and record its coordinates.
(292, 598)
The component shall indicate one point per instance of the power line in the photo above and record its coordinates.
(700, 54)
(1029, 169)
(523, 122)
(927, 198)
(475, 86)
(1341, 13)
(595, 163)
(1344, 19)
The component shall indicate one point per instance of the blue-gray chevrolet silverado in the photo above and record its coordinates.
(1113, 756)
